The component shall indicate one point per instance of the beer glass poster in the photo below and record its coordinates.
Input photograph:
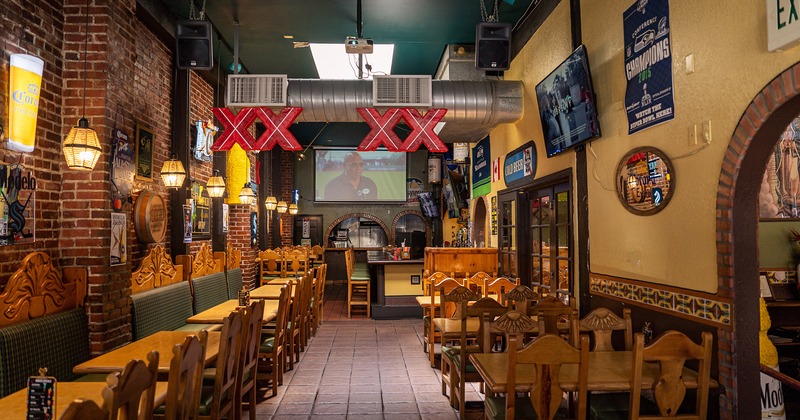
(17, 205)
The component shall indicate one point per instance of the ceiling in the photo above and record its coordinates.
(419, 29)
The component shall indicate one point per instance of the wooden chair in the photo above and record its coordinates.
(317, 255)
(484, 310)
(271, 266)
(295, 324)
(252, 321)
(296, 262)
(433, 279)
(130, 394)
(601, 323)
(81, 409)
(306, 309)
(219, 401)
(521, 298)
(185, 380)
(319, 297)
(443, 287)
(477, 281)
(272, 359)
(551, 312)
(358, 289)
(546, 355)
(497, 288)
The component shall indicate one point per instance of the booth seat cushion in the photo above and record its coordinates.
(235, 282)
(57, 342)
(162, 309)
(209, 291)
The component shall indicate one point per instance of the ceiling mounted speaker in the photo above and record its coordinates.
(194, 48)
(492, 46)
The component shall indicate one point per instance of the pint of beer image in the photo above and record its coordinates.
(23, 90)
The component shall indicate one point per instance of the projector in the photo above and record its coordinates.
(353, 45)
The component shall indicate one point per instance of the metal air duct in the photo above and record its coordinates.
(474, 107)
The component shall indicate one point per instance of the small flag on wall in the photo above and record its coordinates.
(496, 170)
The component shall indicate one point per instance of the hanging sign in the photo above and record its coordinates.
(481, 156)
(783, 24)
(648, 65)
(17, 205)
(520, 166)
(276, 129)
(123, 168)
(204, 139)
(24, 86)
(382, 132)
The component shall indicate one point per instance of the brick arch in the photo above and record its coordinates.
(415, 213)
(344, 217)
(754, 138)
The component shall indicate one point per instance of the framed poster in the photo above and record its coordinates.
(122, 164)
(225, 217)
(17, 205)
(201, 211)
(119, 238)
(144, 152)
(187, 223)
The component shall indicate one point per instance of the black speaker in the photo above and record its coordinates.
(194, 49)
(492, 46)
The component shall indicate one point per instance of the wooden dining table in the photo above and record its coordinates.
(163, 342)
(279, 281)
(16, 405)
(217, 314)
(608, 371)
(267, 291)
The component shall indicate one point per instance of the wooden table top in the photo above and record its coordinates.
(425, 301)
(162, 341)
(217, 314)
(267, 291)
(16, 405)
(280, 281)
(608, 371)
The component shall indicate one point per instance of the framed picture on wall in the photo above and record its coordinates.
(144, 152)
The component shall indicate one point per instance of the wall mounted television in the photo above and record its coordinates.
(346, 175)
(567, 106)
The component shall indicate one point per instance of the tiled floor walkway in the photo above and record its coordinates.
(362, 369)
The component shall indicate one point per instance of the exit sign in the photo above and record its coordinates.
(783, 24)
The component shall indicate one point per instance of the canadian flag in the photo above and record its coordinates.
(496, 170)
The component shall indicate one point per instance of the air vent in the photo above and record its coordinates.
(413, 91)
(256, 90)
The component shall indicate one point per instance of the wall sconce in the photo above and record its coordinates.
(215, 186)
(247, 196)
(282, 207)
(81, 147)
(173, 173)
(293, 209)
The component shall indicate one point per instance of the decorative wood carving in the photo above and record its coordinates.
(204, 263)
(460, 294)
(234, 258)
(602, 319)
(38, 289)
(521, 293)
(155, 270)
(514, 322)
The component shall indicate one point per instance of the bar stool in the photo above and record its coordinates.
(358, 287)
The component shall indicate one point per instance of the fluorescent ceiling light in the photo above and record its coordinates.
(334, 63)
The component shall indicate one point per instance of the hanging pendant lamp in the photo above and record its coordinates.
(81, 148)
(293, 209)
(173, 173)
(282, 207)
(247, 195)
(215, 185)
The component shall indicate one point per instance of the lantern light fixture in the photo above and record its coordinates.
(81, 148)
(215, 185)
(247, 195)
(173, 173)
(271, 203)
(282, 207)
(293, 209)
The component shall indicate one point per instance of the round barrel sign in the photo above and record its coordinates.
(150, 217)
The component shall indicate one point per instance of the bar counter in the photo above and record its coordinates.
(394, 291)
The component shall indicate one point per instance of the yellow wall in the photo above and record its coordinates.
(397, 279)
(677, 246)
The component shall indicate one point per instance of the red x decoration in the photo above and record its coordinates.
(235, 129)
(381, 132)
(277, 128)
(422, 130)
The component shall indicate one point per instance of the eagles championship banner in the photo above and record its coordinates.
(648, 64)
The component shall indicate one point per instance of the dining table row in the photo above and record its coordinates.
(535, 357)
(240, 355)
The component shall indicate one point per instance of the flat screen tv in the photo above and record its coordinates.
(345, 175)
(566, 105)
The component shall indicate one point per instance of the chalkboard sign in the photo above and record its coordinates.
(41, 397)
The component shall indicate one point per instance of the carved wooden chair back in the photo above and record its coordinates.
(130, 394)
(521, 298)
(477, 282)
(252, 321)
(81, 409)
(601, 323)
(273, 359)
(185, 380)
(497, 288)
(551, 311)
(671, 350)
(432, 279)
(226, 377)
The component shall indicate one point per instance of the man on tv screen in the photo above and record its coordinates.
(351, 185)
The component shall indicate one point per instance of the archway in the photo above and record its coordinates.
(374, 221)
(755, 137)
(479, 222)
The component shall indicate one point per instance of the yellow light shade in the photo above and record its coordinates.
(282, 207)
(293, 209)
(271, 203)
(215, 186)
(173, 173)
(247, 195)
(81, 147)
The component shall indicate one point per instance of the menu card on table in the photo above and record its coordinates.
(41, 397)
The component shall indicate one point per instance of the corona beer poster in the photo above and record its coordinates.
(17, 205)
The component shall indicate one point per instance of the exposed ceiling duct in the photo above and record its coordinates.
(474, 107)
